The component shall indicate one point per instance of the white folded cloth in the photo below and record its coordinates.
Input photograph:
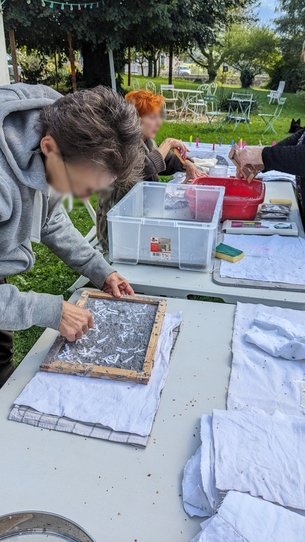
(271, 258)
(258, 379)
(205, 162)
(277, 336)
(274, 175)
(195, 501)
(261, 454)
(242, 518)
(121, 406)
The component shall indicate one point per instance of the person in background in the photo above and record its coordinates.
(53, 145)
(287, 156)
(159, 160)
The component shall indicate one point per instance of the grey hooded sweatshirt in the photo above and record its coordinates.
(31, 211)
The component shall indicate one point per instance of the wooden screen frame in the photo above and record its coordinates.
(54, 365)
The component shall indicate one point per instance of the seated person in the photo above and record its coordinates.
(158, 160)
(287, 156)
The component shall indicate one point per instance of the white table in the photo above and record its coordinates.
(156, 280)
(116, 492)
(184, 94)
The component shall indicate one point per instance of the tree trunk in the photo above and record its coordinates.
(14, 55)
(72, 63)
(155, 67)
(129, 78)
(96, 65)
(150, 67)
(170, 66)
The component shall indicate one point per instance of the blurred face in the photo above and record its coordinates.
(80, 179)
(151, 124)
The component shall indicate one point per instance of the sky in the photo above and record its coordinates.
(267, 12)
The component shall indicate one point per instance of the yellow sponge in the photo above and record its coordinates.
(230, 254)
(281, 201)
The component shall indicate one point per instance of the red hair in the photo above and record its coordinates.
(145, 102)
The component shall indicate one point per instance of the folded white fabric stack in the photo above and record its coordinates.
(274, 175)
(259, 379)
(277, 336)
(242, 518)
(107, 409)
(248, 451)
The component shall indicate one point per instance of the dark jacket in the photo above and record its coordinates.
(289, 156)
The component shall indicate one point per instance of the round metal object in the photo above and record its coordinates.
(40, 527)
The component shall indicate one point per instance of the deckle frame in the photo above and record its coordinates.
(54, 365)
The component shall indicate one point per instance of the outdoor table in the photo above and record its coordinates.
(184, 94)
(171, 281)
(244, 106)
(114, 491)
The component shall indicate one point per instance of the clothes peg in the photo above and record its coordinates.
(197, 141)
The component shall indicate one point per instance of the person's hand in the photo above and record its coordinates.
(192, 172)
(117, 285)
(251, 156)
(172, 143)
(75, 321)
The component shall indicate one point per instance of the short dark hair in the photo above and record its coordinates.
(96, 126)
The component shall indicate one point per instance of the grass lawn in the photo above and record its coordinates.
(52, 276)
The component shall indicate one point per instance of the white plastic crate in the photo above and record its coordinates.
(166, 224)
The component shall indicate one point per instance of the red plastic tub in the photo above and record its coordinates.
(241, 199)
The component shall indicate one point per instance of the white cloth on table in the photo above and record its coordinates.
(271, 258)
(200, 495)
(242, 518)
(277, 336)
(260, 454)
(121, 406)
(195, 501)
(259, 379)
(274, 175)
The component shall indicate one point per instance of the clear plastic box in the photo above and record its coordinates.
(153, 224)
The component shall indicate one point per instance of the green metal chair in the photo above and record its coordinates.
(270, 118)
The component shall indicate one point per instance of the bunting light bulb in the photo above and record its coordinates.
(71, 7)
(62, 6)
(43, 3)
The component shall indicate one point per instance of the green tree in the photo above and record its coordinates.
(252, 50)
(290, 26)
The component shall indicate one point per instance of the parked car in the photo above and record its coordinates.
(184, 70)
(11, 68)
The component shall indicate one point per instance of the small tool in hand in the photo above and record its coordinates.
(248, 173)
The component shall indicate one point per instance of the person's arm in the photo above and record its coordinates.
(292, 139)
(289, 159)
(62, 238)
(21, 310)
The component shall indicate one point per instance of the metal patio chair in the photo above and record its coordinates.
(168, 92)
(270, 118)
(150, 85)
(276, 94)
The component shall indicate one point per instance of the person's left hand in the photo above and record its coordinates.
(192, 172)
(117, 286)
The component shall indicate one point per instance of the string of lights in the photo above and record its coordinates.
(70, 5)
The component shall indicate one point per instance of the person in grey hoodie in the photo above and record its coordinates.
(49, 146)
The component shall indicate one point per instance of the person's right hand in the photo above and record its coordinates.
(75, 321)
(171, 143)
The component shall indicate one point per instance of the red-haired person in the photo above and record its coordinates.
(159, 160)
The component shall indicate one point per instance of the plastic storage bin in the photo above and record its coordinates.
(153, 224)
(241, 199)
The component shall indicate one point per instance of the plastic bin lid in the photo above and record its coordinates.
(35, 526)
